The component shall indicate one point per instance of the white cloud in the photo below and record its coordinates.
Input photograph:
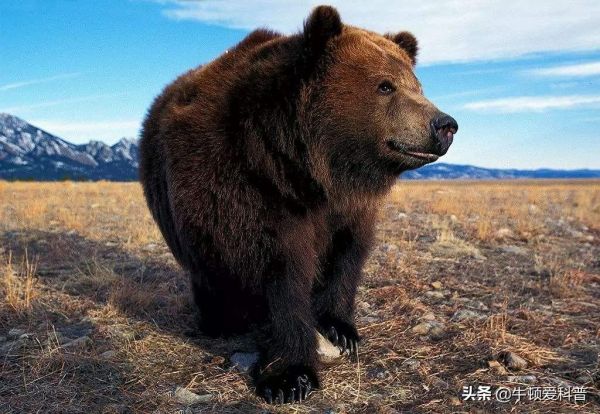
(45, 104)
(533, 103)
(22, 84)
(578, 70)
(467, 93)
(454, 30)
(79, 132)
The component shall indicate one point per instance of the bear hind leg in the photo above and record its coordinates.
(225, 310)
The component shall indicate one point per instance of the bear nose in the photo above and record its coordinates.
(443, 128)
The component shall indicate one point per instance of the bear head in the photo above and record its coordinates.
(369, 109)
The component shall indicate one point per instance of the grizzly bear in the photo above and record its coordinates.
(264, 170)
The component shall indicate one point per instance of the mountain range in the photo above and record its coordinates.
(30, 153)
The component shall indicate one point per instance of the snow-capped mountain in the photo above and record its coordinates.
(442, 171)
(28, 152)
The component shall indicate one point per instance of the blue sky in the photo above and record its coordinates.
(521, 78)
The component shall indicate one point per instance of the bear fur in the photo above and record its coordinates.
(264, 170)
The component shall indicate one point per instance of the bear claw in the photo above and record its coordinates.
(291, 386)
(347, 341)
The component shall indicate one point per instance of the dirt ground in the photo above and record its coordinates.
(471, 285)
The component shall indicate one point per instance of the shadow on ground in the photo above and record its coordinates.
(115, 299)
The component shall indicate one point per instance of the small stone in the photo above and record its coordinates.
(187, 397)
(388, 248)
(123, 332)
(504, 233)
(514, 250)
(435, 294)
(481, 306)
(433, 328)
(455, 401)
(108, 354)
(150, 247)
(429, 316)
(378, 373)
(412, 364)
(79, 343)
(16, 332)
(364, 305)
(437, 331)
(422, 329)
(522, 379)
(512, 360)
(244, 361)
(436, 285)
(497, 367)
(367, 320)
(465, 315)
(439, 383)
(402, 216)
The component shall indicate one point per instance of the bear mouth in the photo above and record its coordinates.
(399, 148)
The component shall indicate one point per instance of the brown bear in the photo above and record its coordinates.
(264, 170)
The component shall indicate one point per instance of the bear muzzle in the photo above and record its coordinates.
(441, 134)
(443, 127)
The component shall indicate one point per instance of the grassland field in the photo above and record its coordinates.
(470, 283)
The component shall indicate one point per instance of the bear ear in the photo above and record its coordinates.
(323, 24)
(406, 41)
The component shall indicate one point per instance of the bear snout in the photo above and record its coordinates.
(443, 128)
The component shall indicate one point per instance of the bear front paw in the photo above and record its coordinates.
(343, 335)
(294, 384)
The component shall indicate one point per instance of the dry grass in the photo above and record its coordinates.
(85, 260)
(18, 285)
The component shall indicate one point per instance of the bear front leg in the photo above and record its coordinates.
(333, 298)
(287, 371)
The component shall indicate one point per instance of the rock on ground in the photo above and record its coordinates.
(244, 361)
(79, 343)
(16, 332)
(512, 360)
(187, 397)
(522, 379)
(466, 314)
(434, 329)
(108, 354)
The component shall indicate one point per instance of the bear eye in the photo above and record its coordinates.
(386, 87)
